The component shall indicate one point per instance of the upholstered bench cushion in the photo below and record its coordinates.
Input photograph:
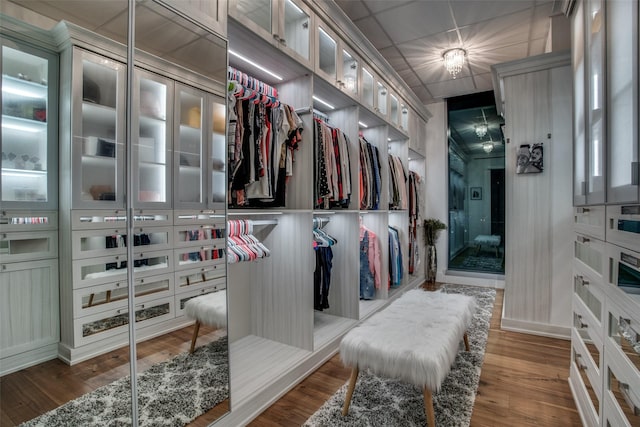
(415, 339)
(209, 309)
(484, 239)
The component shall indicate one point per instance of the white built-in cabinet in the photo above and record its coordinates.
(286, 24)
(605, 357)
(275, 333)
(29, 312)
(178, 181)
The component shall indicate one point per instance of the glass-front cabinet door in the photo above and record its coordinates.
(189, 147)
(217, 153)
(98, 131)
(326, 55)
(152, 121)
(296, 27)
(349, 72)
(595, 79)
(286, 23)
(382, 98)
(622, 101)
(579, 120)
(368, 89)
(394, 109)
(29, 127)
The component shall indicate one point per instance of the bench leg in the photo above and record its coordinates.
(428, 408)
(196, 329)
(352, 386)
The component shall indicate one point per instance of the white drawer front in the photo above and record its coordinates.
(200, 234)
(113, 241)
(27, 246)
(96, 271)
(588, 290)
(109, 323)
(590, 253)
(199, 277)
(28, 220)
(117, 218)
(588, 359)
(199, 256)
(623, 226)
(622, 387)
(110, 296)
(586, 400)
(590, 221)
(198, 217)
(624, 273)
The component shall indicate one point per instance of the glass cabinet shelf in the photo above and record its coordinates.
(29, 148)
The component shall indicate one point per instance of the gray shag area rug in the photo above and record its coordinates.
(385, 402)
(171, 393)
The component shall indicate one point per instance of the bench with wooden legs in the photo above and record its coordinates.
(414, 339)
(210, 309)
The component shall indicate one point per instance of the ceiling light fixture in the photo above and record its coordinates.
(481, 130)
(454, 60)
(487, 147)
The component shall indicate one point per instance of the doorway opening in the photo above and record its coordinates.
(476, 185)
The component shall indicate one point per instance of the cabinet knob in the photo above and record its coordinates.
(277, 37)
(283, 42)
(583, 239)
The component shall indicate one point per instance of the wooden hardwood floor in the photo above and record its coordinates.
(523, 382)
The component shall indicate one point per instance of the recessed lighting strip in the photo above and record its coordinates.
(258, 66)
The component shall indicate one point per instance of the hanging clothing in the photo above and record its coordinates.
(322, 277)
(370, 263)
(414, 220)
(369, 176)
(396, 268)
(397, 184)
(332, 169)
(261, 156)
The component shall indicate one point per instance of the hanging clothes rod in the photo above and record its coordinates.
(264, 221)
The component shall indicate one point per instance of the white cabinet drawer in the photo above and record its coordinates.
(590, 253)
(182, 298)
(113, 241)
(96, 271)
(201, 234)
(588, 289)
(622, 388)
(28, 221)
(612, 414)
(584, 320)
(109, 323)
(623, 334)
(199, 256)
(117, 218)
(587, 356)
(96, 299)
(623, 226)
(211, 216)
(584, 394)
(27, 246)
(624, 273)
(590, 221)
(199, 277)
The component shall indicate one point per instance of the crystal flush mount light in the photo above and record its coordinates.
(481, 130)
(454, 60)
(487, 147)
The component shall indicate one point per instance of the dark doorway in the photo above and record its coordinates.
(497, 203)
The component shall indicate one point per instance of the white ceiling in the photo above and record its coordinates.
(412, 35)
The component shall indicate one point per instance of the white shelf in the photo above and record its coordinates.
(257, 363)
(22, 125)
(327, 327)
(23, 88)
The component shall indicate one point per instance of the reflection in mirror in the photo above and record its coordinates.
(178, 258)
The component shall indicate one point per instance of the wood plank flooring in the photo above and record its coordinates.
(523, 382)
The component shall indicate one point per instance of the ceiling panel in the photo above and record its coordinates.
(427, 51)
(395, 58)
(449, 88)
(541, 20)
(469, 12)
(423, 94)
(355, 9)
(370, 27)
(416, 20)
(506, 30)
(481, 63)
(377, 6)
(409, 76)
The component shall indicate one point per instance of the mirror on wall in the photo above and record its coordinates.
(100, 247)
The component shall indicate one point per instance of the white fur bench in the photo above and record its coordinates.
(414, 339)
(210, 309)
